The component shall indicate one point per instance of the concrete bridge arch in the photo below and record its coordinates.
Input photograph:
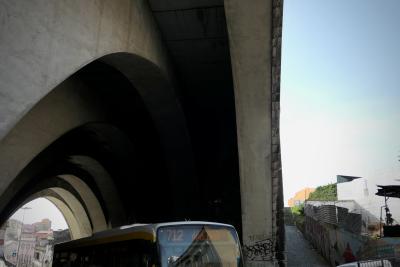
(92, 115)
(76, 215)
(128, 94)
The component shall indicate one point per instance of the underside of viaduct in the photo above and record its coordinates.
(123, 112)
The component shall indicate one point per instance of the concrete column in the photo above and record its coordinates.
(250, 38)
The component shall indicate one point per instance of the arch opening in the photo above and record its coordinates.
(30, 233)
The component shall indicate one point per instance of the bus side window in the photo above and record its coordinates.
(131, 253)
(97, 256)
(121, 254)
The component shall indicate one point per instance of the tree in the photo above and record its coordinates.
(298, 210)
(324, 193)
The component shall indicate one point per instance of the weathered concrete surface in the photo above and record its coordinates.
(277, 185)
(44, 42)
(75, 226)
(250, 36)
(78, 221)
(70, 106)
(94, 209)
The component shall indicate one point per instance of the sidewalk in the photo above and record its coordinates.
(299, 251)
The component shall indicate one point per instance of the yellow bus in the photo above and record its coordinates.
(173, 244)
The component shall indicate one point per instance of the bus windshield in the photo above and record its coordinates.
(198, 245)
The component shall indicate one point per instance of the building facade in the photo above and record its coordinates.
(43, 225)
(10, 251)
(44, 249)
(363, 192)
(26, 245)
(26, 250)
(300, 197)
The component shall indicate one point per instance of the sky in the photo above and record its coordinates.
(41, 208)
(340, 91)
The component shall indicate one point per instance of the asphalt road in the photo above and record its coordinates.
(299, 251)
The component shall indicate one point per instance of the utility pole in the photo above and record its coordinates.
(20, 234)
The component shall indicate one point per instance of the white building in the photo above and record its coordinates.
(43, 256)
(44, 249)
(13, 229)
(363, 190)
(26, 250)
(10, 251)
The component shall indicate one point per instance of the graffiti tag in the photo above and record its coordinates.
(262, 250)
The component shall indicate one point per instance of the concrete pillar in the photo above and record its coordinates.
(250, 25)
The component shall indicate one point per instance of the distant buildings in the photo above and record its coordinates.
(12, 233)
(300, 197)
(44, 249)
(10, 251)
(350, 228)
(345, 178)
(13, 229)
(44, 225)
(29, 245)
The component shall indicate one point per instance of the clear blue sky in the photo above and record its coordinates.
(340, 91)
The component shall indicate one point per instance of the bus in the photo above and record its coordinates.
(173, 244)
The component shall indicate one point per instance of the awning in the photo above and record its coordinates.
(388, 191)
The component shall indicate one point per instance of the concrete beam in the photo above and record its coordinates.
(74, 213)
(93, 206)
(250, 37)
(71, 101)
(72, 222)
(108, 190)
(78, 211)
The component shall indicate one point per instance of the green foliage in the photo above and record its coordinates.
(324, 193)
(298, 216)
(298, 210)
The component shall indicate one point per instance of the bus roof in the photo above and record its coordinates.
(128, 232)
(155, 226)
